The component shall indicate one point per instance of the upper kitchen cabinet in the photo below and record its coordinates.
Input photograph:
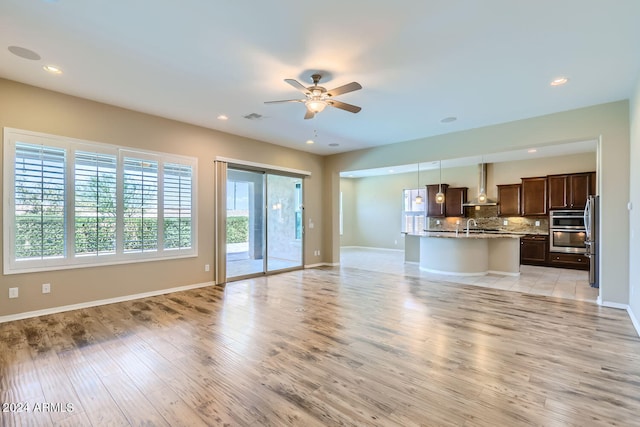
(435, 210)
(534, 196)
(454, 200)
(509, 199)
(570, 191)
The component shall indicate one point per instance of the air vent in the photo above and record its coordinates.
(253, 116)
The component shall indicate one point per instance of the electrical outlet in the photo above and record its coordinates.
(505, 222)
(457, 222)
(437, 222)
(46, 288)
(206, 267)
(537, 223)
(13, 292)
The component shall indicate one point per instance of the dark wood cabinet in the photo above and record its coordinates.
(558, 185)
(435, 210)
(533, 249)
(454, 199)
(575, 261)
(579, 190)
(570, 191)
(509, 199)
(534, 196)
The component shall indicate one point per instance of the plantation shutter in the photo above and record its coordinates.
(140, 203)
(177, 206)
(39, 191)
(95, 203)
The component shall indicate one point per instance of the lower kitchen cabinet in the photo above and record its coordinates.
(575, 261)
(533, 250)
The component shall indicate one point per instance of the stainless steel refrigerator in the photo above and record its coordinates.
(591, 213)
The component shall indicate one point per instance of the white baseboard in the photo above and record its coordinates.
(452, 273)
(612, 304)
(504, 273)
(635, 322)
(322, 264)
(53, 310)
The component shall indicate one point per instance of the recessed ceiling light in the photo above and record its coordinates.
(531, 150)
(448, 119)
(310, 141)
(559, 81)
(52, 69)
(223, 117)
(23, 52)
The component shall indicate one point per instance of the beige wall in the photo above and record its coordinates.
(30, 108)
(607, 123)
(375, 203)
(634, 214)
(347, 188)
(512, 172)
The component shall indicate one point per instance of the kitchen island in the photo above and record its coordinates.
(462, 254)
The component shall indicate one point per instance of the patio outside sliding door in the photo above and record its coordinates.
(245, 223)
(263, 223)
(284, 222)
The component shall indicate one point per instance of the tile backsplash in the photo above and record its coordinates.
(487, 218)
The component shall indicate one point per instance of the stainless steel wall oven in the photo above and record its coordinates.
(567, 232)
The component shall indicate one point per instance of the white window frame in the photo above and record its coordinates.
(70, 260)
(414, 214)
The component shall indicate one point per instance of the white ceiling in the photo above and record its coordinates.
(419, 61)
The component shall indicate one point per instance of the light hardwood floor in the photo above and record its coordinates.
(323, 347)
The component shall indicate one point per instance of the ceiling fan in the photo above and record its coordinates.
(317, 97)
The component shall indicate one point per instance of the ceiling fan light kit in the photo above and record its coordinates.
(316, 105)
(317, 97)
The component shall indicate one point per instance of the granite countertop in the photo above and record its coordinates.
(475, 234)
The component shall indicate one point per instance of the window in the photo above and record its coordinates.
(39, 202)
(95, 203)
(74, 203)
(413, 212)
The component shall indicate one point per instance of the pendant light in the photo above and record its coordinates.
(440, 194)
(482, 195)
(418, 197)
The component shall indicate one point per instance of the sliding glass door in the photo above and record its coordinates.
(284, 222)
(263, 223)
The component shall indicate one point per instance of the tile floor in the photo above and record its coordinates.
(556, 282)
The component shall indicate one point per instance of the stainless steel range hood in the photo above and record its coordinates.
(482, 188)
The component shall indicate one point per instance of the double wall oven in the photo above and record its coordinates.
(567, 232)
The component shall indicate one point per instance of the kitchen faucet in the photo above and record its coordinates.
(475, 224)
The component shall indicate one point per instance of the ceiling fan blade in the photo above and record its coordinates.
(286, 100)
(344, 106)
(298, 86)
(309, 115)
(344, 89)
